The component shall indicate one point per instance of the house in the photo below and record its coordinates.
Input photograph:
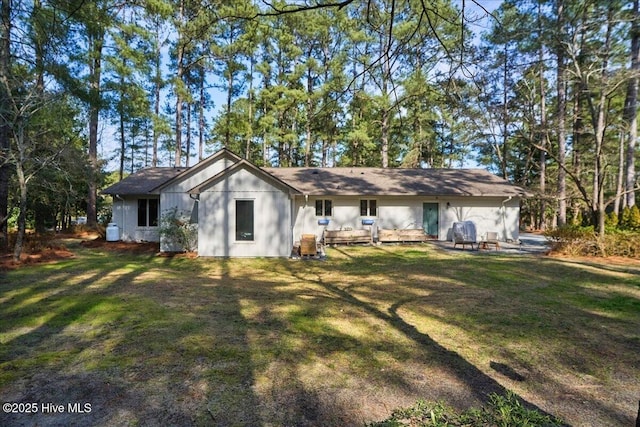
(244, 210)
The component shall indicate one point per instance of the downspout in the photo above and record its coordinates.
(504, 218)
(294, 216)
(196, 199)
(121, 214)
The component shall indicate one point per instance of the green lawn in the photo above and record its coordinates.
(149, 340)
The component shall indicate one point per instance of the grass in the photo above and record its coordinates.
(156, 340)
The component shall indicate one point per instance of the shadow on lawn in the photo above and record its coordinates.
(577, 320)
(210, 342)
(62, 364)
(480, 384)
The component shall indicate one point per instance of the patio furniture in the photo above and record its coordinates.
(402, 235)
(491, 238)
(336, 237)
(464, 233)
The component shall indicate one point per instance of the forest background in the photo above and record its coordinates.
(542, 93)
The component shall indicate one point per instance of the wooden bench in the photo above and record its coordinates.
(335, 237)
(402, 235)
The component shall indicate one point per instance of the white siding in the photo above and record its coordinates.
(176, 195)
(186, 206)
(272, 218)
(501, 215)
(197, 178)
(125, 215)
(489, 214)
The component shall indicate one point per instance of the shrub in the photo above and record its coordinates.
(630, 218)
(500, 411)
(611, 220)
(574, 240)
(176, 228)
(583, 241)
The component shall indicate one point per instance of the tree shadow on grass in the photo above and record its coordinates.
(474, 379)
(532, 289)
(58, 330)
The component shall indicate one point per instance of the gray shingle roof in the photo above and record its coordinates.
(351, 182)
(143, 181)
(379, 181)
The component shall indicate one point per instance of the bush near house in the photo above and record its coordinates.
(177, 228)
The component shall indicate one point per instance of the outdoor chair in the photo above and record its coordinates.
(490, 238)
(464, 233)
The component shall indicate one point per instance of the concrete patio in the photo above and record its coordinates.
(528, 244)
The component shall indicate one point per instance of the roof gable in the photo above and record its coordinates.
(243, 164)
(217, 156)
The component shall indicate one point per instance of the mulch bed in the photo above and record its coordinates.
(51, 254)
(53, 250)
(128, 247)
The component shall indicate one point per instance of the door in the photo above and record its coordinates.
(430, 219)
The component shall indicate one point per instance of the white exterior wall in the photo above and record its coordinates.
(499, 214)
(272, 218)
(176, 195)
(186, 206)
(125, 215)
(395, 212)
(197, 178)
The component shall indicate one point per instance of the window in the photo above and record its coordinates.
(323, 207)
(147, 212)
(368, 208)
(244, 220)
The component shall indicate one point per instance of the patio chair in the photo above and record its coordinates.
(464, 233)
(490, 238)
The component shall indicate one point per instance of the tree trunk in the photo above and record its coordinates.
(247, 152)
(505, 118)
(22, 186)
(599, 127)
(22, 215)
(201, 119)
(561, 87)
(179, 104)
(179, 89)
(631, 106)
(97, 43)
(386, 112)
(5, 71)
(188, 144)
(157, 86)
(308, 136)
(543, 132)
(617, 203)
(123, 141)
(227, 131)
